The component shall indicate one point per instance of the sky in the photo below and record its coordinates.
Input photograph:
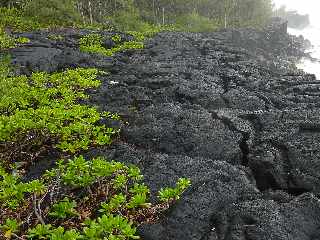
(312, 7)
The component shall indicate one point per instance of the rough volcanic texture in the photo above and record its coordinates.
(226, 109)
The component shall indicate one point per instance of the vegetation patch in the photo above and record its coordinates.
(42, 112)
(80, 199)
(93, 43)
(15, 19)
(7, 42)
(55, 37)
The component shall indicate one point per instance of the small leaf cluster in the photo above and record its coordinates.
(45, 106)
(13, 190)
(6, 41)
(104, 227)
(78, 172)
(172, 194)
(55, 37)
(150, 31)
(110, 227)
(22, 40)
(63, 209)
(10, 227)
(48, 231)
(116, 38)
(92, 43)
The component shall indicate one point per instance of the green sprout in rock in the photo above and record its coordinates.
(22, 40)
(171, 194)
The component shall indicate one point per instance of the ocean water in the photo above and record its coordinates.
(311, 33)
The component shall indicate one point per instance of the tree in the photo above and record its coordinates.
(56, 12)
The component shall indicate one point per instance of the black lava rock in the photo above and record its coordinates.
(227, 109)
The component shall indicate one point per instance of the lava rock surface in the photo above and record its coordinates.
(227, 109)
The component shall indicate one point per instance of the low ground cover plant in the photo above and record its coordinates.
(81, 199)
(7, 41)
(93, 43)
(42, 112)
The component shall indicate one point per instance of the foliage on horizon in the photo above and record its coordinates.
(134, 15)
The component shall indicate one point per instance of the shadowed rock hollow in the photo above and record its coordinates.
(226, 109)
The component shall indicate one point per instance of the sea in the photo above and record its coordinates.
(311, 33)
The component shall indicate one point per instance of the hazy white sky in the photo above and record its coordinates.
(311, 7)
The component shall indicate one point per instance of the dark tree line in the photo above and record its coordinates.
(224, 13)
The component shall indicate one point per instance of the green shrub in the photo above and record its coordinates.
(5, 69)
(55, 37)
(22, 40)
(92, 43)
(63, 209)
(13, 191)
(116, 38)
(118, 204)
(6, 41)
(43, 110)
(10, 227)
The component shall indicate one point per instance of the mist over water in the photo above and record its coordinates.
(312, 32)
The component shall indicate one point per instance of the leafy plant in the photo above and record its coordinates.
(6, 41)
(110, 227)
(5, 61)
(22, 40)
(44, 109)
(116, 38)
(119, 202)
(13, 190)
(63, 209)
(172, 194)
(55, 37)
(49, 232)
(115, 203)
(92, 43)
(41, 231)
(11, 226)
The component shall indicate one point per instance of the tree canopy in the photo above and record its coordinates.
(128, 13)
